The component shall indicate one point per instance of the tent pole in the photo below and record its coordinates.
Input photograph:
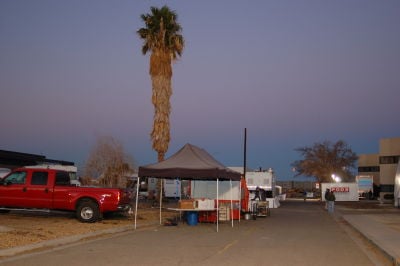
(245, 153)
(217, 203)
(180, 199)
(230, 181)
(240, 197)
(180, 188)
(137, 198)
(244, 167)
(161, 192)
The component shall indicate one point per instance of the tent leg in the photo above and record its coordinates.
(240, 198)
(161, 195)
(217, 204)
(180, 198)
(230, 181)
(137, 198)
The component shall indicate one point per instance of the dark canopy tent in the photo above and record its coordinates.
(190, 162)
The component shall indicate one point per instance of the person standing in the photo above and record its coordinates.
(330, 198)
(370, 195)
(326, 196)
(257, 194)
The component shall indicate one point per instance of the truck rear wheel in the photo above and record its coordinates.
(88, 211)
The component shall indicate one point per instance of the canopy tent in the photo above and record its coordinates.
(190, 162)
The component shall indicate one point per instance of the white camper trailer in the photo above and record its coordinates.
(172, 188)
(265, 181)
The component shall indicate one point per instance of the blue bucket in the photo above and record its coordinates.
(191, 218)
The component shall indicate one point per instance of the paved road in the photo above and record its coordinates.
(298, 233)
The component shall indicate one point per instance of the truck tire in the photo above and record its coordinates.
(88, 211)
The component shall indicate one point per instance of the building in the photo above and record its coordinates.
(382, 166)
(12, 159)
(368, 165)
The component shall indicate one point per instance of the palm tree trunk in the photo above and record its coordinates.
(161, 126)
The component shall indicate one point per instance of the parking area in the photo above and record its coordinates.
(298, 233)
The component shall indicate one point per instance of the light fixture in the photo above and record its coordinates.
(336, 178)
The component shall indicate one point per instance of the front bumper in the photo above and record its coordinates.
(124, 207)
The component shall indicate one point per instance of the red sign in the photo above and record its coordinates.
(340, 189)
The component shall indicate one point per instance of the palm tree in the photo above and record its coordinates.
(161, 36)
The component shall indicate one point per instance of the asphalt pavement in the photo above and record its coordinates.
(380, 226)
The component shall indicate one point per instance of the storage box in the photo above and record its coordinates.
(224, 213)
(204, 204)
(233, 213)
(207, 216)
(186, 204)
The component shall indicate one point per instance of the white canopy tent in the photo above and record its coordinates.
(397, 186)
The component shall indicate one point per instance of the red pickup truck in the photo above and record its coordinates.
(28, 188)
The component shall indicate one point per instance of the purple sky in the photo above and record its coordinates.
(291, 72)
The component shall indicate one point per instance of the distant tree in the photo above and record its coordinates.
(85, 180)
(162, 37)
(324, 159)
(109, 163)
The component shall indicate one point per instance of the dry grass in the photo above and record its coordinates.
(27, 228)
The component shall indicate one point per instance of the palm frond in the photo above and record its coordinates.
(162, 31)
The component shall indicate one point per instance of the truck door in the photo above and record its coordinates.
(39, 192)
(13, 190)
(62, 187)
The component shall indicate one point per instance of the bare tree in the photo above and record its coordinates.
(109, 163)
(324, 159)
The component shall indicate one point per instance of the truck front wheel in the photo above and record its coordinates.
(88, 211)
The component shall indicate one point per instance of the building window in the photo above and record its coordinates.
(389, 159)
(369, 169)
(387, 188)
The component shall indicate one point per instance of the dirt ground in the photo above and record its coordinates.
(23, 228)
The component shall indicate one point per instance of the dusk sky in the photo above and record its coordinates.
(291, 72)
